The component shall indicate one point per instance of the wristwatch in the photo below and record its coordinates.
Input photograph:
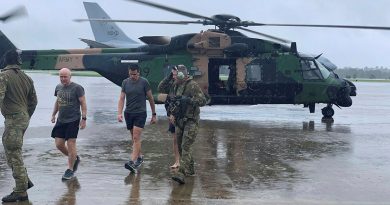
(154, 114)
(84, 118)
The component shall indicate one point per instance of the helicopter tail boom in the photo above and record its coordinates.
(5, 45)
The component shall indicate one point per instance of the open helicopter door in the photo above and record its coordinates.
(222, 76)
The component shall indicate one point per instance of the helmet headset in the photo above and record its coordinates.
(181, 71)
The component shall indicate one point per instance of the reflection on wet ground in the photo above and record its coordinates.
(259, 158)
(69, 197)
(277, 154)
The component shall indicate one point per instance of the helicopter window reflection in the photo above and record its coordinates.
(325, 72)
(310, 70)
(253, 73)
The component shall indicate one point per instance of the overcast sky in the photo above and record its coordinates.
(50, 24)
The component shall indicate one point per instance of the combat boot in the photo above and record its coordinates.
(179, 178)
(14, 197)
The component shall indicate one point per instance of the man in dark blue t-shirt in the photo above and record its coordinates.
(70, 97)
(136, 90)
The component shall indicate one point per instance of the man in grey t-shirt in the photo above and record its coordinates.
(136, 90)
(70, 97)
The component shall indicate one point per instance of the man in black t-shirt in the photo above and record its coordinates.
(136, 90)
(70, 97)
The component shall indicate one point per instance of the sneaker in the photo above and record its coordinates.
(130, 166)
(179, 178)
(76, 163)
(29, 184)
(68, 175)
(14, 197)
(139, 161)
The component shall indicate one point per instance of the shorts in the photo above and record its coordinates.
(135, 119)
(66, 130)
(171, 128)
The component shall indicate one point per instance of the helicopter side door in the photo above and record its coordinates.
(246, 81)
(271, 80)
(260, 78)
(222, 77)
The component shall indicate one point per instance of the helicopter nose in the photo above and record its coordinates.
(352, 86)
(344, 94)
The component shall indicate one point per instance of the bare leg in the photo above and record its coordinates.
(176, 152)
(136, 135)
(60, 144)
(71, 143)
(132, 140)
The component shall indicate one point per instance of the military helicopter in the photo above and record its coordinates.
(230, 67)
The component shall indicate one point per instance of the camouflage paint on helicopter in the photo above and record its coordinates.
(231, 69)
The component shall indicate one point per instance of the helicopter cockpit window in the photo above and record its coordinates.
(325, 72)
(253, 73)
(310, 70)
(214, 42)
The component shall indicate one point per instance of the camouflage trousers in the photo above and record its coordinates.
(15, 126)
(186, 135)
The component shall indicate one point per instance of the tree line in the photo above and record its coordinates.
(368, 73)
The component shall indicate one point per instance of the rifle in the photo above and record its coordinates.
(176, 106)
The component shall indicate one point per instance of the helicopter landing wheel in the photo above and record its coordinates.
(327, 112)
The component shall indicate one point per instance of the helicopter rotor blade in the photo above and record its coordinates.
(321, 26)
(266, 35)
(19, 11)
(173, 10)
(140, 21)
(249, 23)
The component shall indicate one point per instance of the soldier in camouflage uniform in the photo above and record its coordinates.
(184, 113)
(17, 101)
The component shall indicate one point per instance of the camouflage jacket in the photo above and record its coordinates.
(165, 85)
(17, 92)
(191, 91)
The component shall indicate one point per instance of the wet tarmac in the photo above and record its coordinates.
(260, 154)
